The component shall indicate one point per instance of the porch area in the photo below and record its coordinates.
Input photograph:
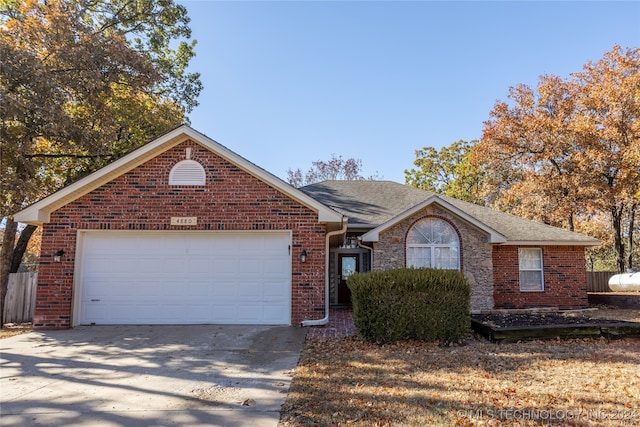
(340, 325)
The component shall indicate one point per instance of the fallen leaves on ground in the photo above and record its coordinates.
(11, 329)
(348, 381)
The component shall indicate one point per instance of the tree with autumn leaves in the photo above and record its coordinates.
(566, 153)
(448, 171)
(83, 82)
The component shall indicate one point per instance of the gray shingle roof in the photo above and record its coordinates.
(372, 203)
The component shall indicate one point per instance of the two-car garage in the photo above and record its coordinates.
(144, 240)
(182, 277)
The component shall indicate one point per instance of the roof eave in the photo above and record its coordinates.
(552, 243)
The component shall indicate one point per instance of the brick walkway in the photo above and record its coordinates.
(340, 325)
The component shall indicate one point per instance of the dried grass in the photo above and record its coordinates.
(347, 381)
(12, 329)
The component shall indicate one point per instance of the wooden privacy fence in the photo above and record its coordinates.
(598, 281)
(21, 297)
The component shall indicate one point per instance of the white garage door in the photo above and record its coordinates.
(185, 278)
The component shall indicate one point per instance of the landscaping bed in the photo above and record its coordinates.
(616, 299)
(522, 325)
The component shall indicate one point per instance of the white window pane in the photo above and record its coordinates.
(531, 280)
(445, 258)
(530, 259)
(449, 237)
(348, 266)
(418, 257)
(421, 233)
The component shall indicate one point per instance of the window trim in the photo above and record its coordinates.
(540, 269)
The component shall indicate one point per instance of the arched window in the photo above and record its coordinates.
(433, 243)
(187, 172)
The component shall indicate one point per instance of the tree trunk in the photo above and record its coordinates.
(21, 247)
(571, 224)
(616, 222)
(6, 255)
(632, 217)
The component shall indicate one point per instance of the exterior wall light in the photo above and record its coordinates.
(58, 255)
(303, 256)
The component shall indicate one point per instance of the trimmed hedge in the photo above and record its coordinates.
(421, 304)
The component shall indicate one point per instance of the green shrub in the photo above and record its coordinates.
(422, 304)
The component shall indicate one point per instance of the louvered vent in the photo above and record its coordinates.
(187, 172)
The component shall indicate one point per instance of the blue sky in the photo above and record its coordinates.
(290, 82)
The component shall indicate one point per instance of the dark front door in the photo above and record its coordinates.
(347, 265)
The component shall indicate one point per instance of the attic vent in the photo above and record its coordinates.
(187, 172)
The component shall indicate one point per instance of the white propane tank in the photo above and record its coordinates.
(625, 282)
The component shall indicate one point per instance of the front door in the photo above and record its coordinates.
(347, 265)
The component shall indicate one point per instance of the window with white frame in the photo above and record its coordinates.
(433, 243)
(531, 269)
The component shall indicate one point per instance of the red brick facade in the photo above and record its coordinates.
(143, 200)
(565, 281)
(235, 200)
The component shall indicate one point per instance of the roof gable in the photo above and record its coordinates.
(493, 235)
(39, 212)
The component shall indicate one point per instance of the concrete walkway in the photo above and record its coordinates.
(148, 375)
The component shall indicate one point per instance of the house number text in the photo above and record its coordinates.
(184, 220)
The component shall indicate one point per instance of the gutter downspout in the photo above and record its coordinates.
(360, 244)
(325, 319)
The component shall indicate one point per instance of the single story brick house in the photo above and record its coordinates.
(185, 231)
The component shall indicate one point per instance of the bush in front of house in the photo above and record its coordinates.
(411, 303)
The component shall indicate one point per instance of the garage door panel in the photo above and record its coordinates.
(199, 266)
(114, 265)
(225, 266)
(224, 313)
(99, 312)
(274, 290)
(145, 246)
(97, 289)
(252, 266)
(149, 265)
(172, 289)
(173, 312)
(273, 311)
(203, 244)
(175, 265)
(272, 266)
(249, 313)
(101, 264)
(181, 278)
(198, 289)
(124, 311)
(249, 290)
(224, 289)
(199, 313)
(126, 287)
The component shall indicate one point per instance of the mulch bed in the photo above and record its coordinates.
(538, 319)
(513, 327)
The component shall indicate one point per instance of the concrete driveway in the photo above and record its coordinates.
(200, 375)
